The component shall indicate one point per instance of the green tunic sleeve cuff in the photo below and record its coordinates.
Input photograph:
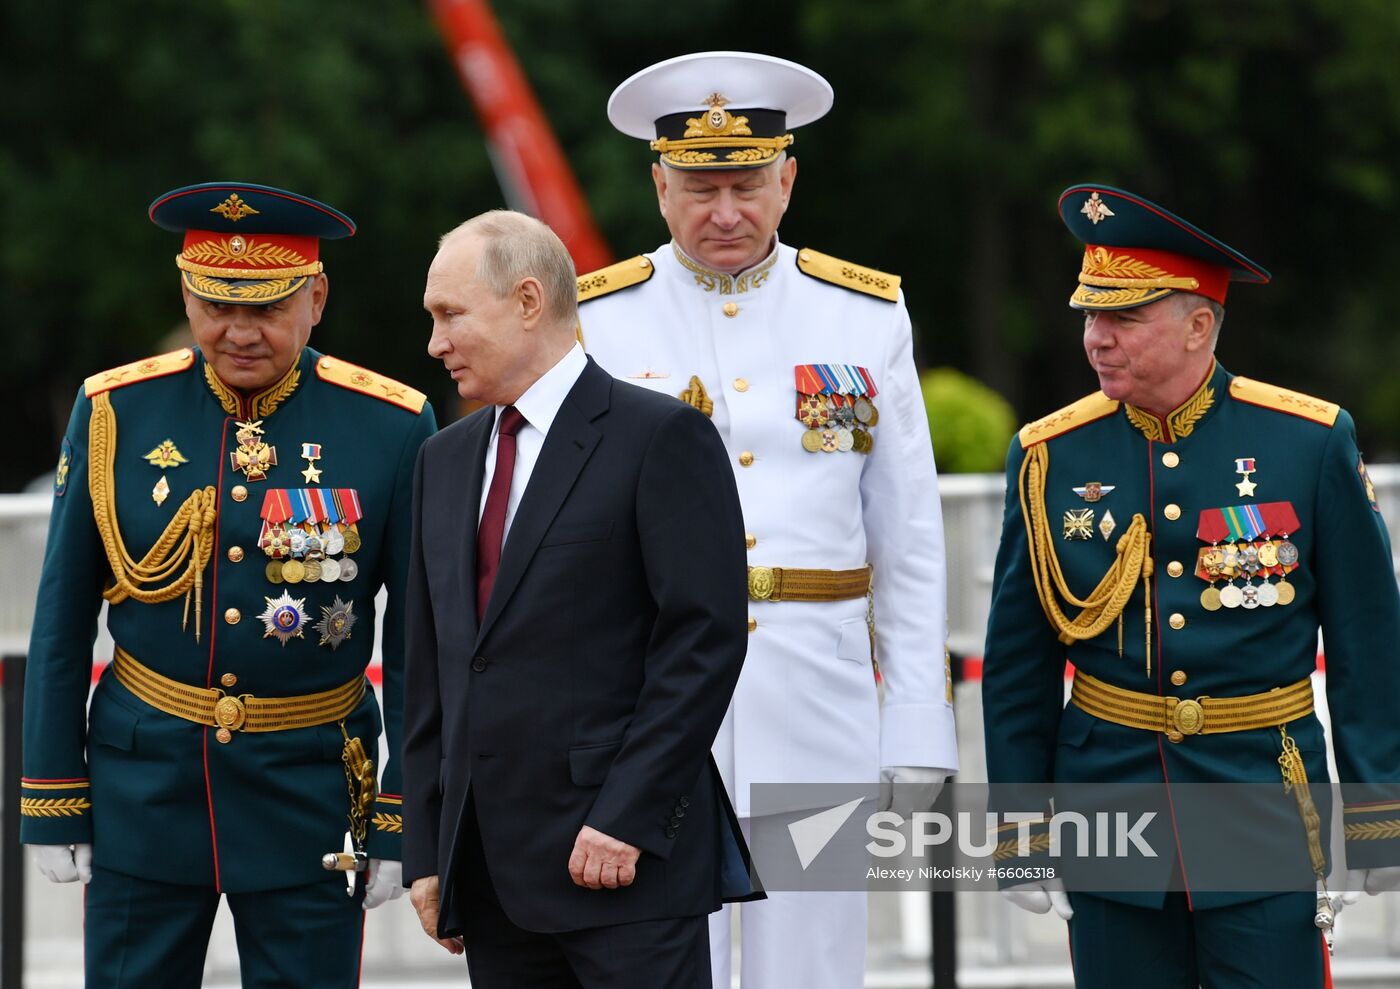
(1372, 834)
(384, 835)
(55, 812)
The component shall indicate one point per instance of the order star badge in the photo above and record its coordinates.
(284, 617)
(337, 620)
(1095, 209)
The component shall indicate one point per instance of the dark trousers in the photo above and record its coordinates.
(139, 934)
(660, 954)
(1263, 944)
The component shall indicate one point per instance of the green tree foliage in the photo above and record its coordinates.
(971, 425)
(1274, 124)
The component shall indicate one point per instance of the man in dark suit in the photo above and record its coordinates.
(576, 627)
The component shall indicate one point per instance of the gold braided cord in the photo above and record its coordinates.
(179, 556)
(671, 144)
(1106, 602)
(1189, 284)
(295, 271)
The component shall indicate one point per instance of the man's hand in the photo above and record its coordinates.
(600, 862)
(1041, 897)
(63, 863)
(385, 882)
(908, 790)
(424, 897)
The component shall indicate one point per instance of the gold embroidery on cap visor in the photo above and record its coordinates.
(1121, 281)
(247, 292)
(706, 152)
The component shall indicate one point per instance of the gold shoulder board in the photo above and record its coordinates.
(355, 378)
(143, 370)
(614, 277)
(1284, 400)
(852, 276)
(1080, 413)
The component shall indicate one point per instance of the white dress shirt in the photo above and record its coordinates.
(539, 405)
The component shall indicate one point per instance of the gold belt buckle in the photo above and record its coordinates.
(230, 714)
(761, 583)
(1189, 717)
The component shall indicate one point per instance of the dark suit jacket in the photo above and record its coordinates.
(593, 687)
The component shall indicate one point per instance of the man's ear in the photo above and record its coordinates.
(529, 295)
(659, 179)
(320, 291)
(787, 175)
(1200, 328)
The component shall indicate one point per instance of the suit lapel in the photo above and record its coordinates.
(571, 441)
(464, 500)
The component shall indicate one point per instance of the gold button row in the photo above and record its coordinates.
(1171, 458)
(746, 459)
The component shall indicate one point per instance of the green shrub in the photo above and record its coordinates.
(970, 423)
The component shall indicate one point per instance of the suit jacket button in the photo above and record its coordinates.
(479, 664)
(685, 801)
(670, 832)
(680, 811)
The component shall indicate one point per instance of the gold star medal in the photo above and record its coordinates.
(284, 617)
(311, 452)
(336, 622)
(1244, 466)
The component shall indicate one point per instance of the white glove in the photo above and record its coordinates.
(910, 789)
(1041, 897)
(385, 882)
(1372, 881)
(63, 863)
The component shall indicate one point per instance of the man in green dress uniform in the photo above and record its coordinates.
(238, 505)
(1180, 537)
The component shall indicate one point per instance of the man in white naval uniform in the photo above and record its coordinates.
(805, 364)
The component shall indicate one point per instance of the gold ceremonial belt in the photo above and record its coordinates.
(792, 584)
(1179, 717)
(212, 707)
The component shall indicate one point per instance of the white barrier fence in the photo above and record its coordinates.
(997, 944)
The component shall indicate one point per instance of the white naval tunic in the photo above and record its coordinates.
(806, 708)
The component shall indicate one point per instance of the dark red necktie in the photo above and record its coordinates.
(490, 533)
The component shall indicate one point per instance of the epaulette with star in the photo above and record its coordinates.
(614, 278)
(372, 383)
(142, 370)
(1088, 409)
(855, 277)
(1284, 400)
